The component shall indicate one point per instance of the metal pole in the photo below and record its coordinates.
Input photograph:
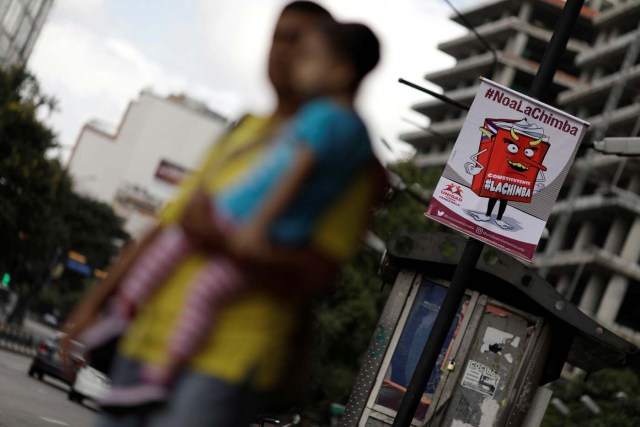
(436, 95)
(473, 248)
(438, 334)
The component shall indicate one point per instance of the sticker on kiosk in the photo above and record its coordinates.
(506, 169)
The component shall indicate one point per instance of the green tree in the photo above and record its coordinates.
(28, 179)
(88, 227)
(402, 212)
(344, 319)
(41, 218)
(93, 229)
(616, 391)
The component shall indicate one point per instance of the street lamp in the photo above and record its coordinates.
(620, 146)
(590, 404)
(397, 183)
(560, 406)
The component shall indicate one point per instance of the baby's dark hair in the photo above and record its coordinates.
(309, 7)
(355, 43)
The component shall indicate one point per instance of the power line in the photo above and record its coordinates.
(471, 28)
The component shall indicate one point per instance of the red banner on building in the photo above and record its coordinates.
(171, 173)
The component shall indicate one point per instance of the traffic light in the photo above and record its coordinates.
(6, 279)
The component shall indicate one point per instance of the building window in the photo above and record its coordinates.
(13, 17)
(34, 7)
(626, 27)
(4, 5)
(629, 315)
(5, 44)
(600, 234)
(23, 34)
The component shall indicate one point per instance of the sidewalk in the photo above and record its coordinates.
(17, 340)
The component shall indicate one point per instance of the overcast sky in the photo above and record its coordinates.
(95, 56)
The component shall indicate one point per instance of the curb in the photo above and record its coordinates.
(17, 340)
(17, 348)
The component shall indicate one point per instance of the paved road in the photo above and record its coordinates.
(27, 402)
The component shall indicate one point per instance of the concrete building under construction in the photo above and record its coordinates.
(20, 24)
(593, 249)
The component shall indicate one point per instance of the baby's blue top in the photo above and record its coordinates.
(340, 146)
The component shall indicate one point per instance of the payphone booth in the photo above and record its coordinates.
(513, 333)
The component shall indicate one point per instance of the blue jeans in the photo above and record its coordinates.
(197, 400)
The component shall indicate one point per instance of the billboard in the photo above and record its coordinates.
(506, 169)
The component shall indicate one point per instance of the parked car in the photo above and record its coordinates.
(49, 319)
(48, 361)
(89, 384)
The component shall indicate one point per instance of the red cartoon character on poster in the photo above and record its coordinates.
(508, 165)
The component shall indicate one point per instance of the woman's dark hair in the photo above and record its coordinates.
(355, 43)
(309, 7)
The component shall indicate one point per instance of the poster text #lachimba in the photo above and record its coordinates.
(536, 113)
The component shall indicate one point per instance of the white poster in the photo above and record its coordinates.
(506, 169)
(480, 378)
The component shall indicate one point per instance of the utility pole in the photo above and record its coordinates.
(473, 248)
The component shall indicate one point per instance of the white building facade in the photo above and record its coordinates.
(137, 167)
(20, 25)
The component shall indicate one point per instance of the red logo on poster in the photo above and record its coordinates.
(453, 192)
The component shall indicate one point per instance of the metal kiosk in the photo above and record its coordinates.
(513, 334)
